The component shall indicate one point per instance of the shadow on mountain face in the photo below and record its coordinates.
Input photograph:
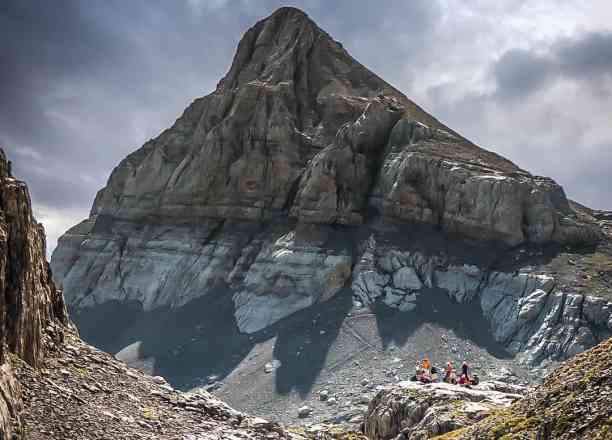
(188, 343)
(458, 249)
(435, 307)
(202, 339)
(302, 348)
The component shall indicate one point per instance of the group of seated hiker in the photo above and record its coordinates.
(427, 373)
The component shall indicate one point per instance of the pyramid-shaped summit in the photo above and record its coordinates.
(276, 187)
(239, 151)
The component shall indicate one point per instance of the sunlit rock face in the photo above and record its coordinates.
(270, 188)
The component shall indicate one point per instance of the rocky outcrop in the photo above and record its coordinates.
(428, 175)
(575, 401)
(29, 300)
(297, 272)
(31, 308)
(267, 190)
(527, 310)
(11, 405)
(411, 410)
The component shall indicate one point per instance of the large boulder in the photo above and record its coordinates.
(411, 410)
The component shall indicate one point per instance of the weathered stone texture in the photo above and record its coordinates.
(29, 301)
(263, 190)
(411, 410)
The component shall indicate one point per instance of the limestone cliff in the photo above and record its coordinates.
(298, 176)
(32, 310)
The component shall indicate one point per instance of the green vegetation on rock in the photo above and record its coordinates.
(575, 401)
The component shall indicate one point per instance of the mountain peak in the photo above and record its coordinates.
(288, 49)
(287, 12)
(271, 49)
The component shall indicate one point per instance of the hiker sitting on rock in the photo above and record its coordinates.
(465, 378)
(465, 370)
(449, 373)
(428, 372)
(426, 365)
(464, 381)
(425, 376)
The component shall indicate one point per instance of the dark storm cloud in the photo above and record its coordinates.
(47, 44)
(588, 57)
(519, 72)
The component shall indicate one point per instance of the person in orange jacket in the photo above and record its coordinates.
(426, 364)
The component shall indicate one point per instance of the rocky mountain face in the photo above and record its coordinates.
(303, 174)
(32, 312)
(529, 311)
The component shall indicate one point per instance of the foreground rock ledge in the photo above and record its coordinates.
(574, 402)
(32, 312)
(411, 410)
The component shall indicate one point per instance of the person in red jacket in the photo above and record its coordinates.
(449, 373)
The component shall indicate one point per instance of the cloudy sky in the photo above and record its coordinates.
(83, 83)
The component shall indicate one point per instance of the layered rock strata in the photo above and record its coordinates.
(32, 310)
(528, 311)
(267, 189)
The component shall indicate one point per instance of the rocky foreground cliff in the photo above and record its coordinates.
(32, 312)
(81, 392)
(575, 402)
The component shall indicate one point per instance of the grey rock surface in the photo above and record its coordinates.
(416, 411)
(32, 311)
(271, 188)
(526, 310)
